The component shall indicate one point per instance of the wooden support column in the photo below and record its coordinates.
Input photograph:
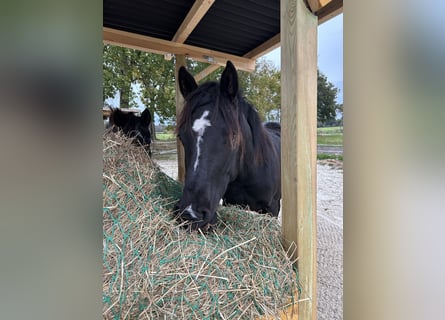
(299, 144)
(179, 61)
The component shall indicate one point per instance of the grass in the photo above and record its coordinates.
(165, 136)
(330, 130)
(333, 139)
(324, 156)
(332, 136)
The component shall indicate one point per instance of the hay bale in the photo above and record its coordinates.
(154, 269)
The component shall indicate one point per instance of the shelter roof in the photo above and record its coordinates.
(206, 30)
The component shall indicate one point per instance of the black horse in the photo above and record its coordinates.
(133, 126)
(229, 153)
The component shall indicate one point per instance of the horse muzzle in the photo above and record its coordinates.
(196, 219)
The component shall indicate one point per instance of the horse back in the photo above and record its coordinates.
(273, 127)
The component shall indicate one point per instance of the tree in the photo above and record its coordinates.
(326, 95)
(262, 88)
(119, 73)
(155, 79)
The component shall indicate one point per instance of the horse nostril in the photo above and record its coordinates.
(209, 220)
(205, 213)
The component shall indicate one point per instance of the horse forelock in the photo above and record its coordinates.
(221, 104)
(232, 112)
(191, 102)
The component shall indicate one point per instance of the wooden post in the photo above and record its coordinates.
(179, 61)
(299, 144)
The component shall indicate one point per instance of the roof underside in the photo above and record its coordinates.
(206, 30)
(158, 19)
(231, 26)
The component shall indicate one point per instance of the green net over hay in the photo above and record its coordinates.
(154, 269)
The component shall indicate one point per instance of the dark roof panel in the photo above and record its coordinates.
(154, 18)
(231, 26)
(237, 27)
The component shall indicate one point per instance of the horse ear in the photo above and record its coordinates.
(146, 117)
(117, 117)
(187, 83)
(229, 80)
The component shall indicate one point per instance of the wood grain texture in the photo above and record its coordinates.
(259, 51)
(264, 48)
(329, 10)
(179, 61)
(298, 140)
(314, 5)
(207, 71)
(160, 46)
(198, 10)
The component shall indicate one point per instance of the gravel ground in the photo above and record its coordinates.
(330, 235)
(330, 240)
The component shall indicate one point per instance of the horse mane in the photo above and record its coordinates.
(262, 144)
(232, 116)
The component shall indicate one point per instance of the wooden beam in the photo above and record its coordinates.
(314, 5)
(198, 10)
(327, 12)
(324, 2)
(299, 144)
(150, 44)
(259, 51)
(179, 61)
(327, 9)
(204, 73)
(264, 48)
(335, 8)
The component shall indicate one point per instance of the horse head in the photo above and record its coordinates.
(133, 126)
(209, 131)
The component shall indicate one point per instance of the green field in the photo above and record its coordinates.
(333, 139)
(327, 136)
(330, 130)
(165, 136)
(330, 136)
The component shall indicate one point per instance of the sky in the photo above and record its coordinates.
(330, 53)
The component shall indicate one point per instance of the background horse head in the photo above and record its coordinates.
(229, 153)
(133, 126)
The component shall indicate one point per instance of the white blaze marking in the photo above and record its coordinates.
(199, 126)
(191, 212)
